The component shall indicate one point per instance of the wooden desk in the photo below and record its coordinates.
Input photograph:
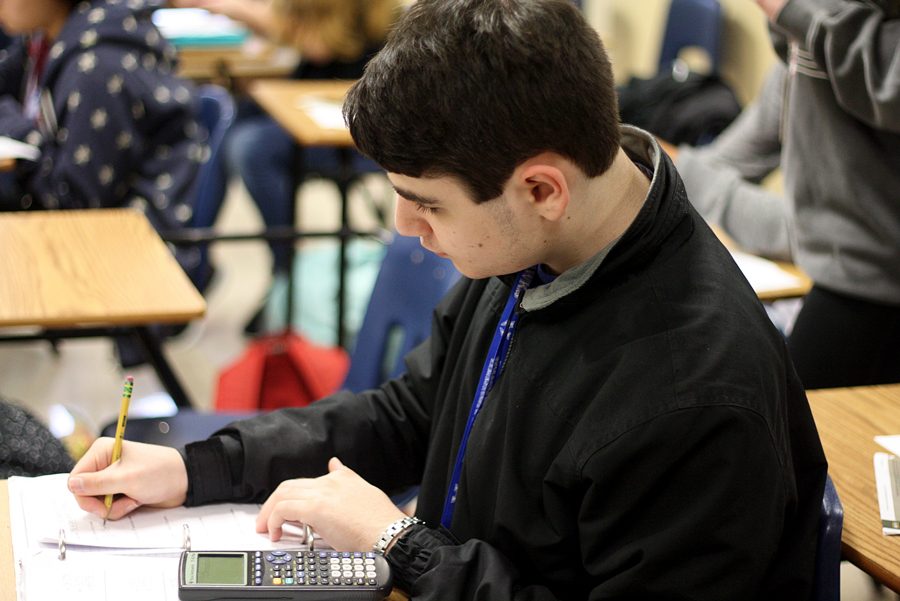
(848, 419)
(283, 100)
(100, 267)
(254, 59)
(801, 289)
(804, 282)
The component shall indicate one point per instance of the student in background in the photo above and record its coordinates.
(335, 38)
(831, 118)
(602, 411)
(90, 83)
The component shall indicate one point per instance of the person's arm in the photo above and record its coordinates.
(722, 179)
(255, 14)
(102, 138)
(688, 506)
(858, 47)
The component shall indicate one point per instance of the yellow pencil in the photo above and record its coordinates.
(120, 434)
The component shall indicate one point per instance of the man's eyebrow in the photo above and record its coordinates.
(423, 200)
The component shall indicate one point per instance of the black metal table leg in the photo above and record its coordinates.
(169, 380)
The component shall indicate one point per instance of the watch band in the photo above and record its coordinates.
(392, 531)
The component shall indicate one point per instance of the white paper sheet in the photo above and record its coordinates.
(326, 113)
(14, 149)
(764, 275)
(134, 558)
(891, 443)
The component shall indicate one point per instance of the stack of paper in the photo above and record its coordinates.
(887, 483)
(135, 558)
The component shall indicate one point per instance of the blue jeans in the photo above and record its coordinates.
(271, 165)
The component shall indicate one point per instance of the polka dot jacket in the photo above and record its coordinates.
(116, 127)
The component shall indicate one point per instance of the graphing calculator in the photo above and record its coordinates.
(301, 574)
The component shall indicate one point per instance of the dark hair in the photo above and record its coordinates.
(473, 88)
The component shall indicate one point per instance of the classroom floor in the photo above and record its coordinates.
(84, 379)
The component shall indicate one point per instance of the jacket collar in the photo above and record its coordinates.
(663, 209)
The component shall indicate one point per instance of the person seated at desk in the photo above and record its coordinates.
(603, 409)
(828, 114)
(335, 38)
(91, 84)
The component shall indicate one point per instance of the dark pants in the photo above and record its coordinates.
(840, 340)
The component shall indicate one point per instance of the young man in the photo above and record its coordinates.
(603, 409)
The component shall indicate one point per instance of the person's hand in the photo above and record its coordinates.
(771, 7)
(346, 511)
(144, 475)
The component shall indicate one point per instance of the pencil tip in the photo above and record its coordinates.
(129, 379)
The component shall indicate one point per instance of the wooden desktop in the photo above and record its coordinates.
(98, 268)
(848, 419)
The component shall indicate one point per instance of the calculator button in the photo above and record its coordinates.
(289, 581)
(276, 580)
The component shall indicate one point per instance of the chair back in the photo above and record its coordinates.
(409, 284)
(692, 23)
(827, 583)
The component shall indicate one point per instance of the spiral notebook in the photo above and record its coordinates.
(61, 552)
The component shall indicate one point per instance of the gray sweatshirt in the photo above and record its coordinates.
(840, 150)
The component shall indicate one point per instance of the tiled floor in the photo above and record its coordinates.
(86, 379)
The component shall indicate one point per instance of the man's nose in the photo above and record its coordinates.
(408, 221)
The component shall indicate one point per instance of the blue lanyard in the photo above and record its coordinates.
(493, 366)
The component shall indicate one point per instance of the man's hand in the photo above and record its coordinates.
(771, 7)
(145, 475)
(346, 511)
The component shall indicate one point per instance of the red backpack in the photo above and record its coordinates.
(280, 370)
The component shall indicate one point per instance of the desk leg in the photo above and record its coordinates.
(169, 380)
(346, 176)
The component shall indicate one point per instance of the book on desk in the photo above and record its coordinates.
(887, 483)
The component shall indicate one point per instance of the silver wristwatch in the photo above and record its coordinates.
(392, 531)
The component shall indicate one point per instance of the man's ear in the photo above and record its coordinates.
(543, 181)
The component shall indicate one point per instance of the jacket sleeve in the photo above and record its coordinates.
(693, 502)
(722, 179)
(13, 123)
(858, 46)
(382, 434)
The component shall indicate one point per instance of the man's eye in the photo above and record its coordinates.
(425, 209)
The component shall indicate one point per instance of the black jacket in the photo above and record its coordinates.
(648, 438)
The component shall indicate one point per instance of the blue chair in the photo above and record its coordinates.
(692, 23)
(409, 284)
(827, 583)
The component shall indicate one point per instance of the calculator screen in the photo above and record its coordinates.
(226, 568)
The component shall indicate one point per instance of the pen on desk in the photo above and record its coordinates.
(120, 433)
